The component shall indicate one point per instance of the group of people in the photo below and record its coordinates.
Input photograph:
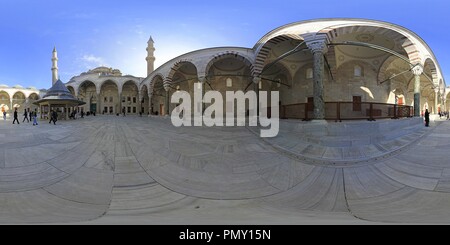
(30, 116)
(441, 114)
(27, 115)
(444, 114)
(74, 115)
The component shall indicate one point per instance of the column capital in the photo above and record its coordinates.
(437, 90)
(256, 80)
(317, 42)
(166, 86)
(202, 79)
(417, 70)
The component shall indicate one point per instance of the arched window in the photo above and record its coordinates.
(358, 72)
(309, 73)
(229, 82)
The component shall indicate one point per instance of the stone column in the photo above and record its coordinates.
(257, 81)
(167, 99)
(67, 112)
(318, 48)
(120, 103)
(139, 103)
(150, 111)
(202, 80)
(417, 71)
(98, 104)
(444, 104)
(436, 98)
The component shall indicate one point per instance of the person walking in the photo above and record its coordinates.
(427, 118)
(4, 113)
(34, 115)
(53, 117)
(123, 111)
(25, 116)
(16, 117)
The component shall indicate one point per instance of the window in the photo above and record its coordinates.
(134, 110)
(229, 82)
(358, 72)
(111, 99)
(106, 99)
(134, 100)
(357, 103)
(309, 73)
(105, 109)
(129, 109)
(128, 98)
(123, 99)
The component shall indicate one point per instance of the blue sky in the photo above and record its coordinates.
(114, 33)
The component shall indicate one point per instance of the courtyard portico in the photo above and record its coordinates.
(324, 69)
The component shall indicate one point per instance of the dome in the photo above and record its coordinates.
(18, 86)
(105, 71)
(3, 86)
(59, 90)
(59, 93)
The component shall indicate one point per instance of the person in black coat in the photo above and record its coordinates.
(53, 117)
(427, 118)
(25, 116)
(16, 117)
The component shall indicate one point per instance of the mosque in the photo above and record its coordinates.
(333, 69)
(138, 170)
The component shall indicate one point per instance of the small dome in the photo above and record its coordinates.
(3, 86)
(31, 88)
(18, 86)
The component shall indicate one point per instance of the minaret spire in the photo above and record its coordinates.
(150, 56)
(55, 76)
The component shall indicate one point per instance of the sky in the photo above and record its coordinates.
(113, 33)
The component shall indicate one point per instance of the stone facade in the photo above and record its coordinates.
(19, 97)
(332, 60)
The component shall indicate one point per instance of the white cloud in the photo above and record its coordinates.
(93, 60)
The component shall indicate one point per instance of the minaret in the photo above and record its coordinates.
(54, 66)
(150, 56)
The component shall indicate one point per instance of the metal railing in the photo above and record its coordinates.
(339, 111)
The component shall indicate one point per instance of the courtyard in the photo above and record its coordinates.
(142, 170)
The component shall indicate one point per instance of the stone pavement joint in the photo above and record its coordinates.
(113, 170)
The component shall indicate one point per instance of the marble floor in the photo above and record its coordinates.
(142, 170)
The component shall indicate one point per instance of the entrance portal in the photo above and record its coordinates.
(93, 108)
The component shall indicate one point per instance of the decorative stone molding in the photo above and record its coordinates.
(318, 46)
(202, 79)
(256, 80)
(417, 70)
(166, 86)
